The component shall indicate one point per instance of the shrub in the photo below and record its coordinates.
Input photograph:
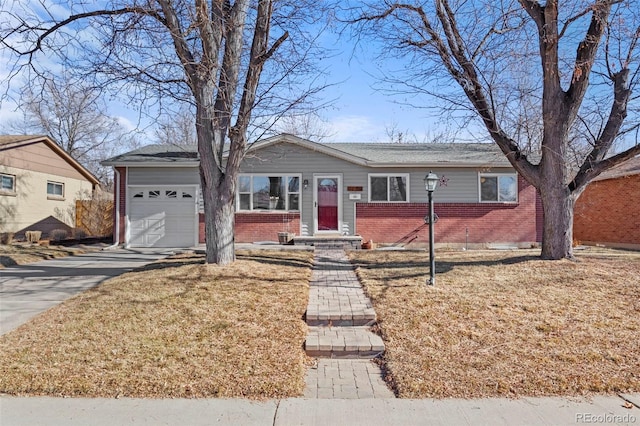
(33, 236)
(58, 235)
(79, 233)
(6, 238)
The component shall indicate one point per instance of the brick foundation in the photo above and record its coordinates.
(608, 212)
(264, 226)
(486, 223)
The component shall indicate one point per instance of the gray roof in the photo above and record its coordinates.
(628, 168)
(374, 154)
(424, 153)
(157, 154)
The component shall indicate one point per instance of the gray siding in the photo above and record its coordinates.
(163, 176)
(461, 184)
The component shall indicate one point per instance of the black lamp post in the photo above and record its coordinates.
(430, 183)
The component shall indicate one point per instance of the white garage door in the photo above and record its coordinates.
(163, 216)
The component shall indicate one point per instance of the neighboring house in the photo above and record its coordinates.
(608, 211)
(375, 190)
(39, 184)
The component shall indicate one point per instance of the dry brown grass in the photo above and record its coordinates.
(21, 254)
(178, 328)
(507, 323)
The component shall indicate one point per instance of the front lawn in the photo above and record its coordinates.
(177, 328)
(505, 323)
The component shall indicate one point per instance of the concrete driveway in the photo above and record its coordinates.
(27, 290)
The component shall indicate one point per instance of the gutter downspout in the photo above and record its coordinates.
(116, 239)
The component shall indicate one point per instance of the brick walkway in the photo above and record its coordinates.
(339, 315)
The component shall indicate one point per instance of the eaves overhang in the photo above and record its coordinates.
(151, 164)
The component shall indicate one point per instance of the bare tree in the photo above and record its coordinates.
(535, 74)
(304, 125)
(75, 116)
(221, 56)
(177, 128)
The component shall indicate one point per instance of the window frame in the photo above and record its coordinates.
(55, 196)
(285, 176)
(498, 176)
(8, 191)
(407, 177)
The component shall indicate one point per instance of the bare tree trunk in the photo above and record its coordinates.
(219, 216)
(557, 232)
(217, 192)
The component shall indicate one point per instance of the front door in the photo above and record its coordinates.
(327, 203)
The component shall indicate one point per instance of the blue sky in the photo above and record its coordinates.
(358, 112)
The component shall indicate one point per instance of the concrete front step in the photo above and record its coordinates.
(343, 342)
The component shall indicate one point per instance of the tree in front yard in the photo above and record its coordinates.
(226, 59)
(552, 78)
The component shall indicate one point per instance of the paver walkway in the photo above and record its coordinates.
(339, 315)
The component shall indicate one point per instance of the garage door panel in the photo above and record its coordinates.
(161, 219)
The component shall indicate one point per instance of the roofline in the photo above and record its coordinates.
(623, 175)
(194, 163)
(58, 150)
(439, 165)
(313, 146)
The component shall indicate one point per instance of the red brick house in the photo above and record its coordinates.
(608, 211)
(375, 190)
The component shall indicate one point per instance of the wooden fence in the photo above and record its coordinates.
(95, 217)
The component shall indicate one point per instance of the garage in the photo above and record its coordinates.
(163, 216)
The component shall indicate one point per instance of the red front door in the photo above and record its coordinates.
(327, 203)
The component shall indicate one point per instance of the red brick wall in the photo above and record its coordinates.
(486, 222)
(251, 227)
(122, 194)
(201, 234)
(608, 211)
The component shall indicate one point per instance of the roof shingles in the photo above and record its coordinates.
(372, 153)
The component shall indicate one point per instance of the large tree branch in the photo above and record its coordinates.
(260, 53)
(535, 11)
(584, 178)
(452, 52)
(475, 92)
(211, 27)
(172, 23)
(585, 56)
(595, 162)
(584, 12)
(230, 71)
(79, 16)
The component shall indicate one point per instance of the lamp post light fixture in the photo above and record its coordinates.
(430, 183)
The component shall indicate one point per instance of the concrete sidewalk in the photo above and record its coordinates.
(194, 412)
(27, 290)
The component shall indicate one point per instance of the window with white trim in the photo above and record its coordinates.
(55, 189)
(498, 188)
(388, 188)
(7, 183)
(268, 192)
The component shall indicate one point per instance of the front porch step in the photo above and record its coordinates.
(338, 241)
(343, 342)
(336, 305)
